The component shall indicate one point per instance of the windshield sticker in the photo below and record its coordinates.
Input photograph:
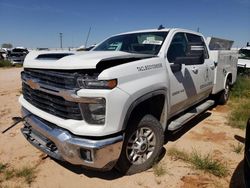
(155, 42)
(149, 67)
(115, 46)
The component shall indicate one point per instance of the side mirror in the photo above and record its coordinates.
(189, 60)
(175, 67)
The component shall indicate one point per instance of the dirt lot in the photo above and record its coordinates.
(208, 134)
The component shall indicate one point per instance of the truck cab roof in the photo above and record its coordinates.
(161, 30)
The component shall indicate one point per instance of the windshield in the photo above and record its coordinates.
(244, 53)
(19, 50)
(143, 43)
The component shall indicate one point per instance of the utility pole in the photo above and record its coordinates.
(61, 35)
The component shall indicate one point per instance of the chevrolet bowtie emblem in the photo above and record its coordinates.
(32, 84)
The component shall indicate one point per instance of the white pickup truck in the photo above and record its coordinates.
(111, 106)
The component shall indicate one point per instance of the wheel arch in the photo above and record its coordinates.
(229, 77)
(153, 103)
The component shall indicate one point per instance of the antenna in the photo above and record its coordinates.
(198, 29)
(86, 42)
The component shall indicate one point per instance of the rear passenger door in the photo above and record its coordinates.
(206, 74)
(185, 83)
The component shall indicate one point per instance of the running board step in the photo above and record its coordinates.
(177, 123)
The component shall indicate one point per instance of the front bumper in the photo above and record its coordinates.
(62, 145)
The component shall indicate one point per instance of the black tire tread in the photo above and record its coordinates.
(123, 165)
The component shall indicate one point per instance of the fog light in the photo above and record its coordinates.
(94, 113)
(86, 155)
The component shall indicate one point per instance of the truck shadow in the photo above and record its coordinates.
(114, 174)
(237, 179)
(107, 175)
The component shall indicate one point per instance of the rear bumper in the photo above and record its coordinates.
(62, 145)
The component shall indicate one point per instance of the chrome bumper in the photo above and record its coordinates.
(62, 145)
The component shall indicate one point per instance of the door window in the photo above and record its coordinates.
(177, 48)
(197, 41)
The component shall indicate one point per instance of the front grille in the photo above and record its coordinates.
(59, 79)
(52, 104)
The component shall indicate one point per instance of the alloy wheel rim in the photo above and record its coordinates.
(141, 145)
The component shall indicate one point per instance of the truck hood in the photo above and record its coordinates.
(77, 60)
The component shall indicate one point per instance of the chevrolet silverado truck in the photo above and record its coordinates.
(112, 106)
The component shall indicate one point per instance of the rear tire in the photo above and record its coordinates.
(223, 96)
(142, 145)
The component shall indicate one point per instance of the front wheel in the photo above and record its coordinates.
(142, 146)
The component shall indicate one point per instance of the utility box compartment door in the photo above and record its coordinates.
(225, 63)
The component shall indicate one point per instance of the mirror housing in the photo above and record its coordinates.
(189, 60)
(175, 67)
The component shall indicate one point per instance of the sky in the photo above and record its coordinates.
(37, 23)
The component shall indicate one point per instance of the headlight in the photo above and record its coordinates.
(97, 84)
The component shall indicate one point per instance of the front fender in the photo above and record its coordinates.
(143, 98)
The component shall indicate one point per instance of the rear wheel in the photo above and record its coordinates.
(142, 145)
(224, 95)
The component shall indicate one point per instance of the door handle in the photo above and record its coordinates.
(195, 70)
(212, 67)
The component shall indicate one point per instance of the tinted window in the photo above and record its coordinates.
(177, 48)
(19, 50)
(194, 38)
(244, 54)
(197, 40)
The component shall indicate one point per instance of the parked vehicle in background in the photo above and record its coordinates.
(247, 156)
(112, 105)
(17, 55)
(3, 53)
(244, 57)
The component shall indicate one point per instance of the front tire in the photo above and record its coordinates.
(142, 145)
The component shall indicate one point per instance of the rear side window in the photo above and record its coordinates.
(194, 38)
(197, 40)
